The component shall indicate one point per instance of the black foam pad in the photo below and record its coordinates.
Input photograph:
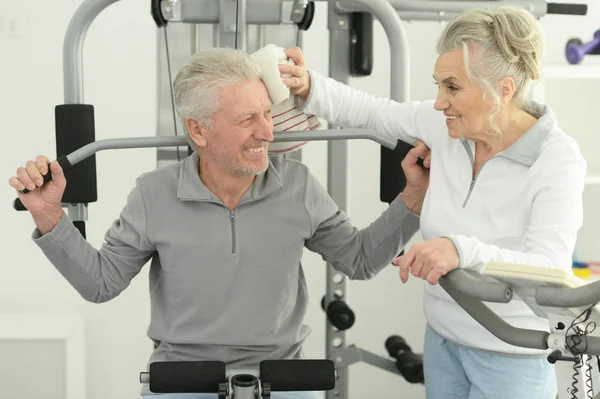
(75, 129)
(187, 377)
(298, 375)
(391, 178)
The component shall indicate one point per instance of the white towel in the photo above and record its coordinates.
(286, 115)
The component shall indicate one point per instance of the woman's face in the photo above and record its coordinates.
(467, 113)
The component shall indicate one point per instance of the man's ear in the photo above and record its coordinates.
(508, 90)
(197, 132)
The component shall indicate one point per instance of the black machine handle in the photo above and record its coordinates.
(567, 9)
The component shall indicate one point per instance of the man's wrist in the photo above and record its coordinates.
(47, 222)
(412, 201)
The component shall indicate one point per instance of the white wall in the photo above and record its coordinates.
(120, 81)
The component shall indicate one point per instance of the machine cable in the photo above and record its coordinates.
(237, 22)
(580, 329)
(171, 87)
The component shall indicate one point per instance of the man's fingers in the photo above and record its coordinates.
(16, 183)
(24, 177)
(427, 160)
(58, 175)
(420, 150)
(34, 173)
(42, 164)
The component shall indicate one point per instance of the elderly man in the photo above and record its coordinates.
(224, 230)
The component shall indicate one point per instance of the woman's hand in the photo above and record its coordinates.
(429, 260)
(296, 77)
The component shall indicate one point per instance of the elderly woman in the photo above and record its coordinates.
(506, 185)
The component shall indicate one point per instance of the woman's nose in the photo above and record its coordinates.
(441, 103)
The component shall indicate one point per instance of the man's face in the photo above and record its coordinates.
(241, 130)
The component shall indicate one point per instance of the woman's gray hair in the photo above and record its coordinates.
(496, 44)
(198, 83)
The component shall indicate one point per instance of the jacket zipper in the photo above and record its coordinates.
(233, 232)
(474, 180)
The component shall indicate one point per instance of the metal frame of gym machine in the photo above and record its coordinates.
(389, 14)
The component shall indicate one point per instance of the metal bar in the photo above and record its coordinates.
(231, 30)
(399, 47)
(337, 186)
(588, 345)
(260, 12)
(584, 296)
(493, 323)
(73, 68)
(352, 355)
(335, 134)
(118, 144)
(269, 11)
(174, 141)
(478, 289)
(73, 48)
(536, 7)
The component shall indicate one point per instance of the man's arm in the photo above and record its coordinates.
(101, 275)
(359, 254)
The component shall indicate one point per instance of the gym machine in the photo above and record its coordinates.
(351, 35)
(566, 302)
(576, 50)
(569, 304)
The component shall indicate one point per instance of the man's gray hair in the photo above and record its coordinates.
(198, 83)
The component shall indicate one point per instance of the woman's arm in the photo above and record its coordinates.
(556, 217)
(345, 106)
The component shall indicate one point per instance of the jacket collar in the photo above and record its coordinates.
(526, 149)
(191, 187)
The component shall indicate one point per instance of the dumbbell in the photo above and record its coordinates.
(576, 49)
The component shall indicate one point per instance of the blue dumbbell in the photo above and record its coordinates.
(576, 49)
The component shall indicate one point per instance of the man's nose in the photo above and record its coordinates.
(264, 130)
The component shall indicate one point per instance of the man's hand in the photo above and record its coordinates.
(429, 260)
(417, 177)
(44, 199)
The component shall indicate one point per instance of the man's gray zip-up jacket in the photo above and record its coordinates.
(225, 284)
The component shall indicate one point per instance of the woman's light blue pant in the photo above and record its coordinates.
(274, 395)
(453, 371)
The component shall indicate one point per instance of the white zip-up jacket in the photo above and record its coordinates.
(524, 206)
